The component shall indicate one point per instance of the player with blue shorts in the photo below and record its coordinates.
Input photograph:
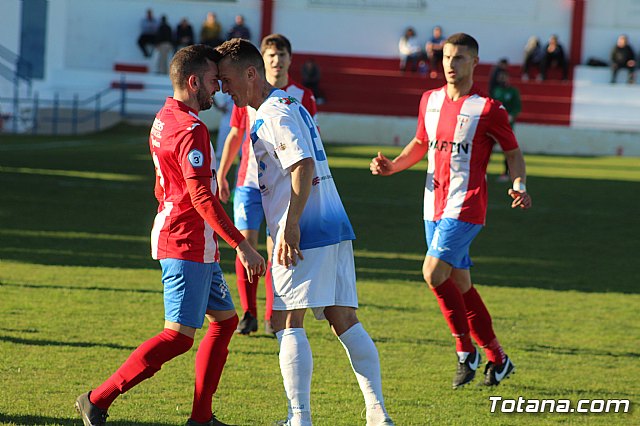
(184, 241)
(457, 129)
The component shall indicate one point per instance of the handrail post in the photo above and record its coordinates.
(36, 106)
(123, 96)
(16, 103)
(54, 115)
(74, 115)
(97, 113)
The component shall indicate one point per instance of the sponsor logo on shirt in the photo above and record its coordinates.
(156, 128)
(453, 147)
(193, 126)
(288, 100)
(318, 179)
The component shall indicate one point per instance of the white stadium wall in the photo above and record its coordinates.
(9, 37)
(502, 27)
(9, 24)
(85, 38)
(100, 33)
(604, 21)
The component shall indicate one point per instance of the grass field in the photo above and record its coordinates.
(79, 291)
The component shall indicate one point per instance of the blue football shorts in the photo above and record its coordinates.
(192, 288)
(247, 208)
(450, 239)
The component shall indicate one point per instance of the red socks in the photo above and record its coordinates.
(143, 363)
(482, 327)
(210, 360)
(247, 290)
(268, 289)
(454, 311)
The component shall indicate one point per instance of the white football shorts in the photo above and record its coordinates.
(326, 277)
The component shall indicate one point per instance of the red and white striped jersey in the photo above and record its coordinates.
(181, 149)
(243, 118)
(461, 135)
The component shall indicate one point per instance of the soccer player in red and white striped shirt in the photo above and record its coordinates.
(457, 128)
(184, 240)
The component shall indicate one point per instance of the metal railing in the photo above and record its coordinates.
(18, 70)
(35, 112)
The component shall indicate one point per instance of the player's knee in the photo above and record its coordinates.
(341, 318)
(432, 277)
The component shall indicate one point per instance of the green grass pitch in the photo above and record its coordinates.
(79, 291)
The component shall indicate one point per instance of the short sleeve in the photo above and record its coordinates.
(289, 141)
(238, 117)
(421, 131)
(309, 102)
(499, 127)
(194, 153)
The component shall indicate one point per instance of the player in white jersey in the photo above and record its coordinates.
(313, 254)
(247, 203)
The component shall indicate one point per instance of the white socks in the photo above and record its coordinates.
(364, 359)
(296, 366)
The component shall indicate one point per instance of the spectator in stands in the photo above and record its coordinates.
(164, 45)
(310, 74)
(532, 56)
(623, 56)
(148, 30)
(410, 50)
(554, 56)
(501, 66)
(239, 30)
(211, 31)
(184, 34)
(434, 50)
(509, 96)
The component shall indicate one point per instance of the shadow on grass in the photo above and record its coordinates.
(390, 307)
(578, 236)
(580, 351)
(43, 342)
(26, 419)
(76, 288)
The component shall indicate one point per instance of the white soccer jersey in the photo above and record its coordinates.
(285, 133)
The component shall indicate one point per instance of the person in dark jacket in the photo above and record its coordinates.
(623, 56)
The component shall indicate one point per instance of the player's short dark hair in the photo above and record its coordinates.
(191, 60)
(241, 53)
(462, 39)
(277, 41)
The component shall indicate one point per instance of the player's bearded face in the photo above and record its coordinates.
(204, 96)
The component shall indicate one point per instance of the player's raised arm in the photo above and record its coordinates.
(518, 174)
(410, 155)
